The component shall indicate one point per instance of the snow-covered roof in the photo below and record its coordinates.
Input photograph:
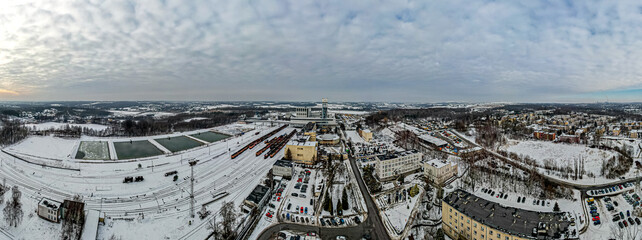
(50, 203)
(328, 137)
(302, 143)
(439, 163)
(433, 140)
(90, 230)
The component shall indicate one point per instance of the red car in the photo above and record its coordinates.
(268, 215)
(301, 210)
(278, 199)
(596, 218)
(299, 180)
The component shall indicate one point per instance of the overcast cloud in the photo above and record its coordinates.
(425, 51)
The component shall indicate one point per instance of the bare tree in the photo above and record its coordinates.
(73, 223)
(114, 237)
(2, 191)
(628, 233)
(226, 228)
(13, 209)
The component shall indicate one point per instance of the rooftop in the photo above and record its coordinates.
(328, 137)
(390, 156)
(432, 140)
(283, 163)
(439, 163)
(302, 143)
(257, 194)
(49, 203)
(511, 220)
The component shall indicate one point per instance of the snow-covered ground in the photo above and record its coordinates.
(397, 215)
(48, 147)
(120, 113)
(194, 119)
(45, 146)
(156, 208)
(55, 125)
(354, 137)
(562, 155)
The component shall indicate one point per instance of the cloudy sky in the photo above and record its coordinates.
(420, 51)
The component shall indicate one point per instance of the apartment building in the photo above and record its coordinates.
(467, 216)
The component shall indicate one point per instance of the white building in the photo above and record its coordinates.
(439, 171)
(49, 209)
(283, 168)
(390, 166)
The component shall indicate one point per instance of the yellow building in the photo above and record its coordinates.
(365, 134)
(304, 152)
(438, 171)
(471, 217)
(313, 135)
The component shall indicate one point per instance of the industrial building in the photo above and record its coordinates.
(283, 168)
(305, 115)
(432, 141)
(257, 198)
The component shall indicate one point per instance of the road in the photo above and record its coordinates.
(373, 213)
(583, 188)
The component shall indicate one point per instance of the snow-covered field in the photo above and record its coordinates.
(194, 119)
(561, 154)
(156, 208)
(55, 125)
(45, 146)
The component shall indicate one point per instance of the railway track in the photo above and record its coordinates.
(165, 200)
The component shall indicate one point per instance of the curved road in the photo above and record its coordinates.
(372, 225)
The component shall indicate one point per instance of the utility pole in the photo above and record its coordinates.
(191, 194)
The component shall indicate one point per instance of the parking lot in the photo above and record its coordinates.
(298, 197)
(614, 211)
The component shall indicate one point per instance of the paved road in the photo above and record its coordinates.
(373, 213)
(372, 225)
